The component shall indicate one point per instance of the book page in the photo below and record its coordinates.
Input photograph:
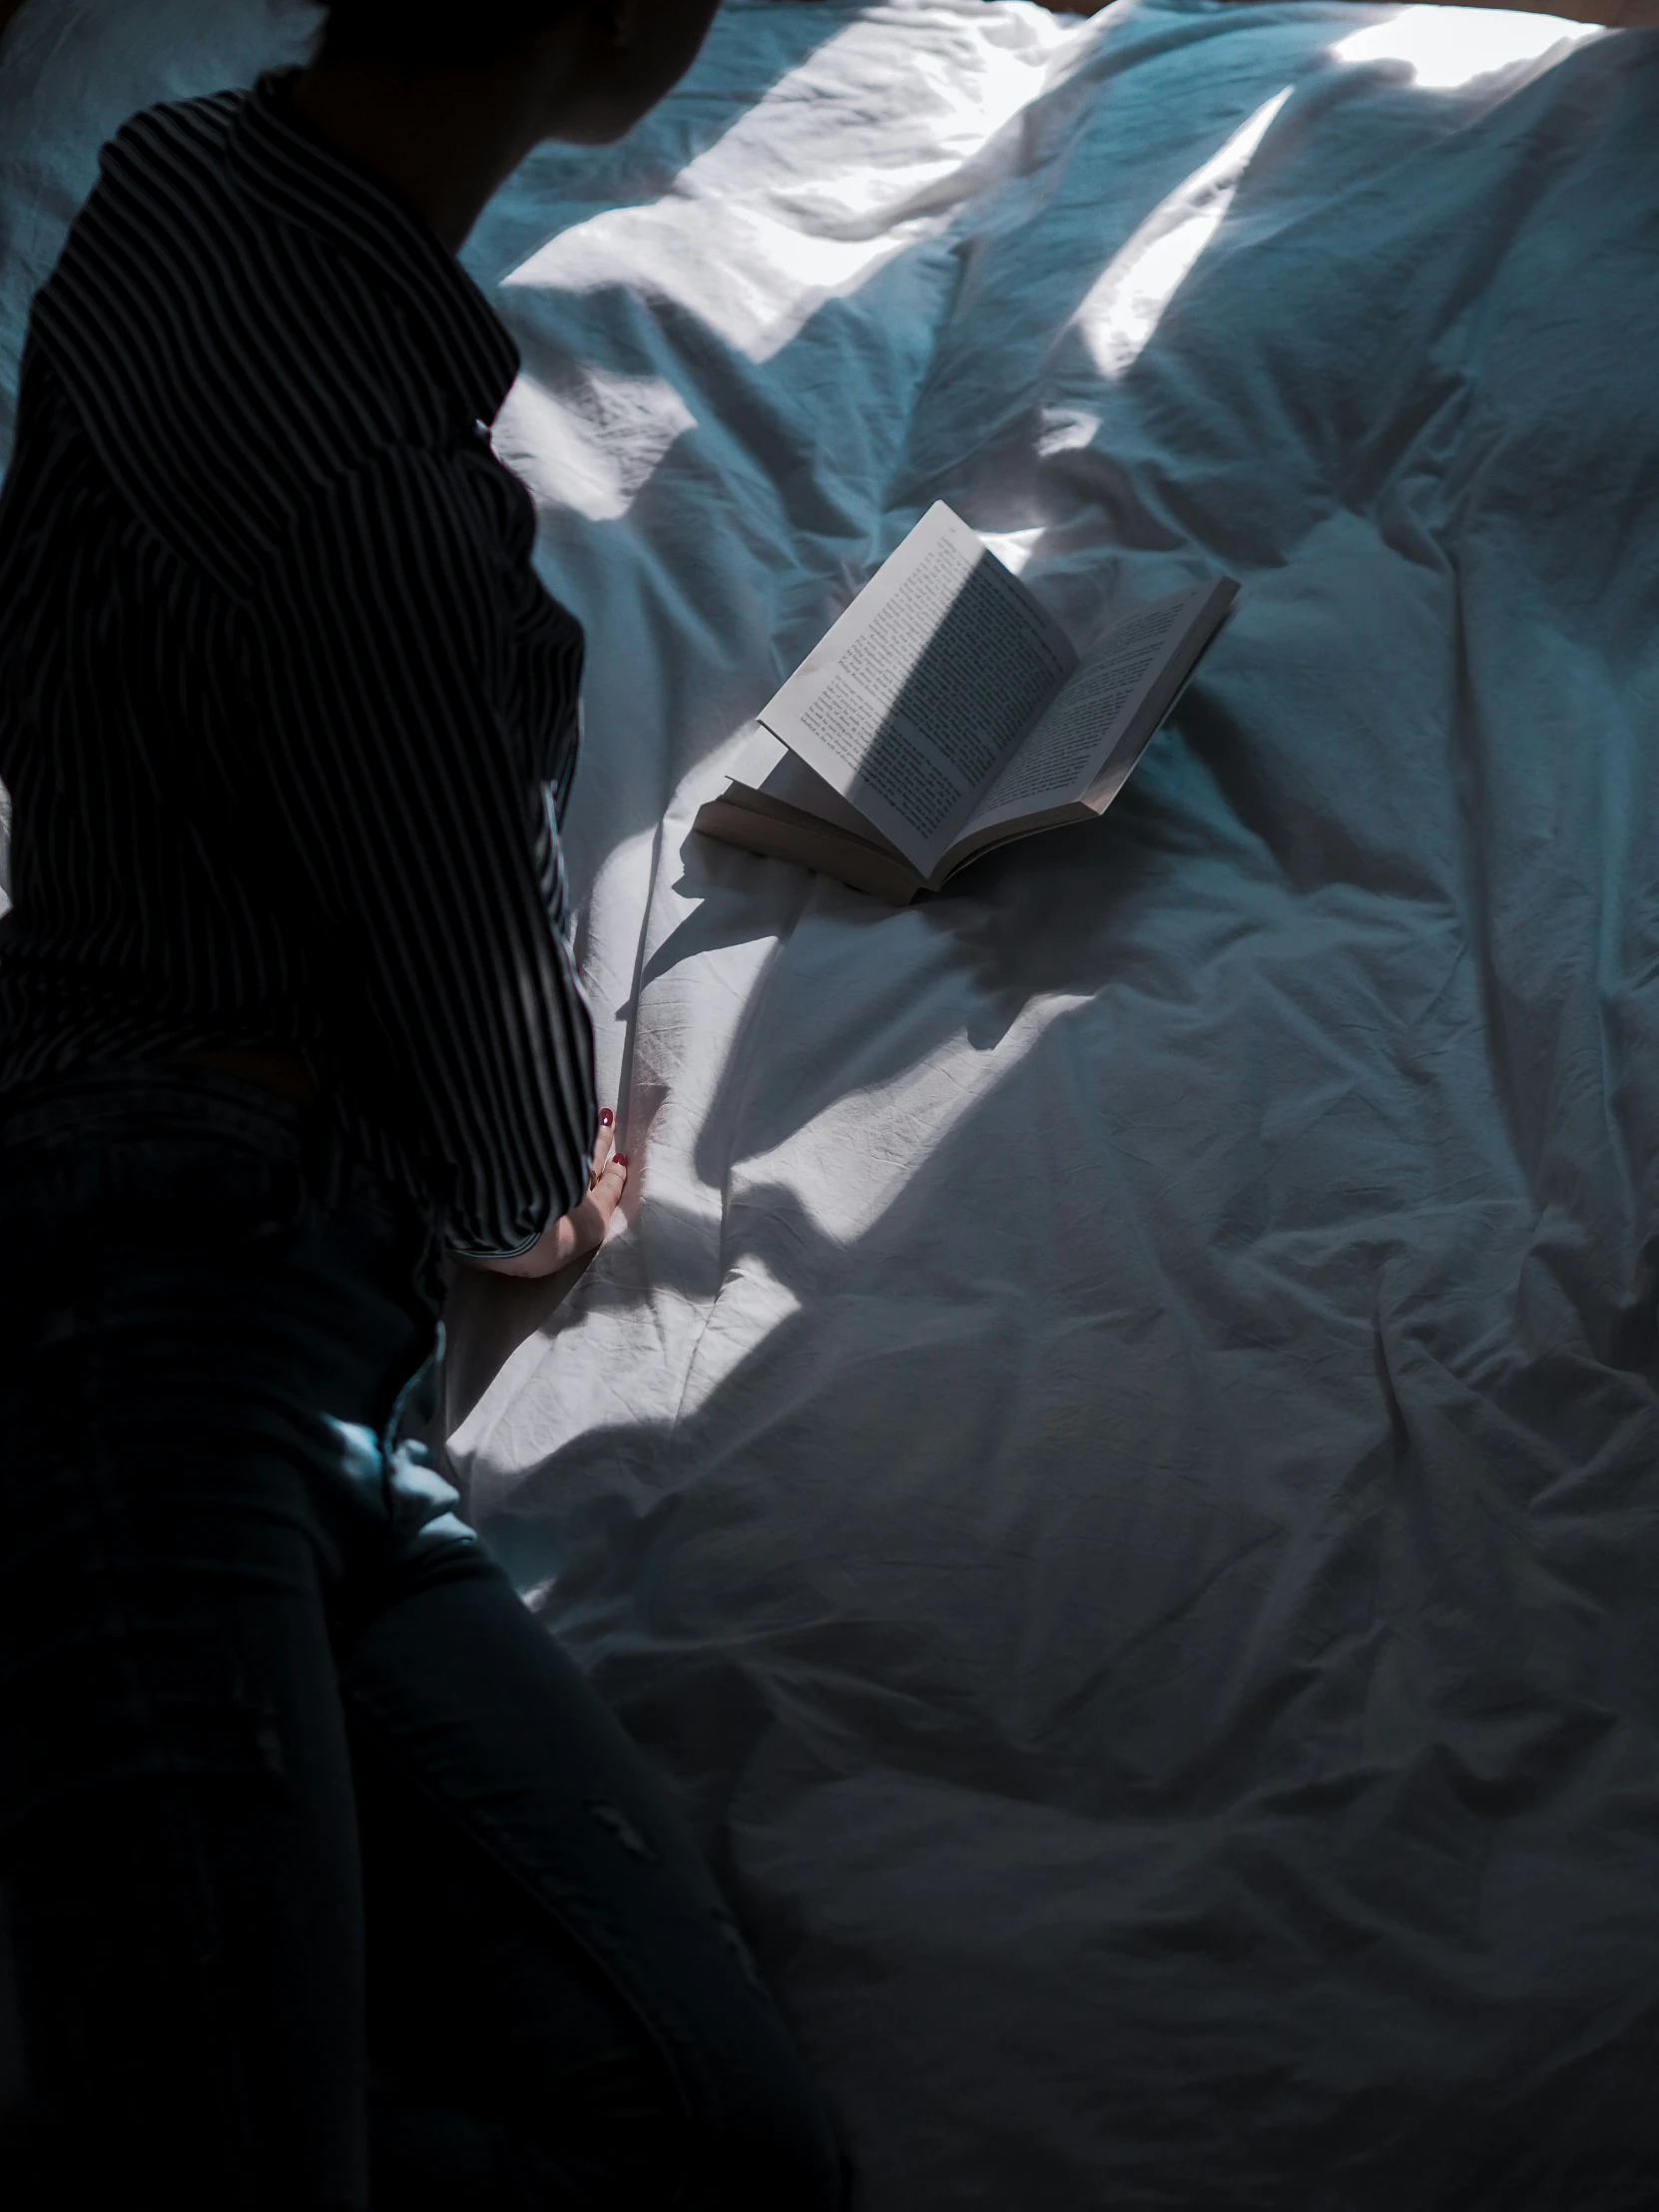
(919, 693)
(1074, 740)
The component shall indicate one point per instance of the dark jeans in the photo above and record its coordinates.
(329, 1880)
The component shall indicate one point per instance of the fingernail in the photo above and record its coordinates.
(606, 1117)
(619, 1159)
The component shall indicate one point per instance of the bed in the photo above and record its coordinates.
(1115, 1458)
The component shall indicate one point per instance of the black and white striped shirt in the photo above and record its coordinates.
(285, 715)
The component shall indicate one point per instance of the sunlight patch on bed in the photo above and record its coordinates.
(845, 1167)
(1014, 548)
(755, 235)
(1127, 301)
(773, 280)
(1442, 49)
(594, 443)
(750, 1305)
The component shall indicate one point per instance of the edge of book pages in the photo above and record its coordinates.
(772, 828)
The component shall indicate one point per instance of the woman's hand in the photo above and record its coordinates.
(583, 1229)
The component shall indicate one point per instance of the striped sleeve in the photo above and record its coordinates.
(412, 815)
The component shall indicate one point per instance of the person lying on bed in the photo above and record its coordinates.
(327, 1877)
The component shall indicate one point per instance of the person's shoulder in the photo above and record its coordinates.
(189, 127)
(157, 218)
(202, 353)
(160, 152)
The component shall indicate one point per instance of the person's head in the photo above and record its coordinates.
(590, 68)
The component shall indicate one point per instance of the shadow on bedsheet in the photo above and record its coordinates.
(1314, 1534)
(1118, 1622)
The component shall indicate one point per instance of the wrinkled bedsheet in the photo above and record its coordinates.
(1116, 1458)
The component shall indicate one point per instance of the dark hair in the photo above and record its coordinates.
(432, 34)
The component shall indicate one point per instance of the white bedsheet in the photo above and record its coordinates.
(1117, 1457)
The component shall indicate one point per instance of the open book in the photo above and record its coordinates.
(947, 713)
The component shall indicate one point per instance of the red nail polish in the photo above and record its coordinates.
(619, 1159)
(606, 1117)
